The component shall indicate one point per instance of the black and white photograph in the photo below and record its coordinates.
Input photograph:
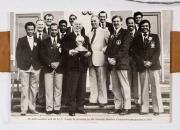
(90, 66)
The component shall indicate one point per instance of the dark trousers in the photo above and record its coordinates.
(133, 78)
(76, 83)
(64, 90)
(41, 94)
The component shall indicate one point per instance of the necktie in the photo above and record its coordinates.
(145, 38)
(49, 30)
(54, 44)
(103, 26)
(62, 35)
(40, 36)
(93, 37)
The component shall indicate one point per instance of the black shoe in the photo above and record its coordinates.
(81, 111)
(48, 112)
(124, 112)
(156, 114)
(143, 113)
(71, 113)
(115, 111)
(57, 112)
(102, 104)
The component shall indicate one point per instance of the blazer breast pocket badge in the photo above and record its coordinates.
(118, 42)
(152, 44)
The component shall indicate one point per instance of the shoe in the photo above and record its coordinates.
(143, 113)
(115, 111)
(23, 113)
(124, 112)
(48, 112)
(34, 112)
(156, 114)
(102, 104)
(57, 112)
(71, 113)
(81, 111)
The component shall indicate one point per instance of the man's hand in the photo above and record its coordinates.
(147, 64)
(53, 66)
(87, 54)
(56, 64)
(112, 61)
(73, 52)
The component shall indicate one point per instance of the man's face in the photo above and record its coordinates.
(40, 26)
(54, 30)
(48, 20)
(63, 27)
(77, 26)
(130, 24)
(117, 23)
(145, 27)
(30, 31)
(102, 17)
(138, 19)
(71, 20)
(94, 22)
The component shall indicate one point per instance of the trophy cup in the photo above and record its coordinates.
(79, 42)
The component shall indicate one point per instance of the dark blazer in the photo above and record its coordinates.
(48, 55)
(44, 36)
(149, 52)
(77, 62)
(110, 27)
(25, 57)
(82, 31)
(118, 48)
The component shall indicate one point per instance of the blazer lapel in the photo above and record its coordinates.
(27, 44)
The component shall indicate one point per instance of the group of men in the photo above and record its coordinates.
(56, 58)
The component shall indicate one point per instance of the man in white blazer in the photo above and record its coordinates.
(97, 65)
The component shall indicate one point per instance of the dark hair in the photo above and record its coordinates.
(29, 24)
(144, 21)
(48, 15)
(128, 19)
(53, 24)
(116, 16)
(138, 13)
(73, 15)
(102, 12)
(62, 21)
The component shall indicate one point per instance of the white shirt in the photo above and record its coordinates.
(52, 39)
(144, 36)
(60, 34)
(133, 32)
(38, 34)
(31, 42)
(104, 25)
(117, 30)
(78, 33)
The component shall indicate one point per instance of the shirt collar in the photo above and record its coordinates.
(52, 39)
(117, 30)
(29, 37)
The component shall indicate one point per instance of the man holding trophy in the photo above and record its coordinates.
(77, 50)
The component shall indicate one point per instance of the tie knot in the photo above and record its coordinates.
(145, 34)
(77, 34)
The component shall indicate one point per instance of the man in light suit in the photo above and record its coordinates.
(52, 57)
(41, 36)
(118, 58)
(106, 25)
(48, 18)
(73, 17)
(97, 67)
(146, 48)
(28, 61)
(133, 74)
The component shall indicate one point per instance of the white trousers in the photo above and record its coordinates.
(53, 90)
(153, 77)
(121, 89)
(98, 91)
(29, 80)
